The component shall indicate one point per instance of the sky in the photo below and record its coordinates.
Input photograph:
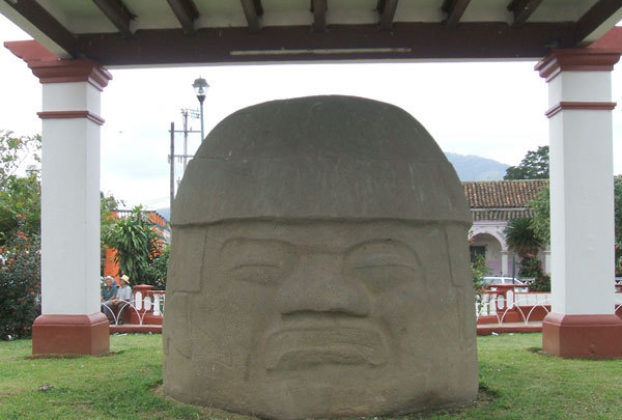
(489, 109)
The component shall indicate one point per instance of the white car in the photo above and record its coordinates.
(488, 280)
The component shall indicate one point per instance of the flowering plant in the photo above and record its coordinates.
(20, 285)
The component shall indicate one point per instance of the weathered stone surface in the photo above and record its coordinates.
(319, 266)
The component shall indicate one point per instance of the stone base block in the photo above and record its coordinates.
(582, 336)
(71, 334)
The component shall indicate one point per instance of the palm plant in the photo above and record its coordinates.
(523, 240)
(135, 241)
(521, 237)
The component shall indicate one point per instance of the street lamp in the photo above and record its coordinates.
(200, 89)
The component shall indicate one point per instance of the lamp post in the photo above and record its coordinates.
(200, 88)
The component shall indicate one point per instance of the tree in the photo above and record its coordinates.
(535, 165)
(15, 151)
(541, 221)
(156, 273)
(20, 202)
(136, 243)
(20, 207)
(521, 237)
(107, 205)
(20, 283)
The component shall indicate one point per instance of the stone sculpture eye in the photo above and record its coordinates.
(380, 278)
(263, 273)
(382, 265)
(259, 261)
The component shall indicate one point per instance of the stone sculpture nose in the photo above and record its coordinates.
(318, 285)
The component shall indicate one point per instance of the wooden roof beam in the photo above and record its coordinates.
(387, 9)
(318, 8)
(186, 12)
(454, 9)
(47, 24)
(253, 11)
(118, 14)
(522, 9)
(595, 17)
(346, 42)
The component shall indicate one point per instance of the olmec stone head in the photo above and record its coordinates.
(319, 266)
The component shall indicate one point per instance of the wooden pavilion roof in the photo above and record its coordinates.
(152, 32)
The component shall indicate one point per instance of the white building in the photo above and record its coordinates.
(493, 204)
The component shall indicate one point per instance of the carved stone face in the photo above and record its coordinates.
(320, 318)
(319, 266)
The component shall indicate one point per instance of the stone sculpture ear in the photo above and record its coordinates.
(177, 339)
(459, 263)
(186, 260)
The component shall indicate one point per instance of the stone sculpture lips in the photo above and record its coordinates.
(305, 348)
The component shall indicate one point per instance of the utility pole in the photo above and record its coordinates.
(171, 159)
(194, 114)
(185, 156)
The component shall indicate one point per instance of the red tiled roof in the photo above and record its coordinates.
(494, 214)
(502, 194)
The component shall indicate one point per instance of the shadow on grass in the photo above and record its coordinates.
(485, 396)
(71, 356)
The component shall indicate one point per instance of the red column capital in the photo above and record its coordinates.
(577, 59)
(48, 68)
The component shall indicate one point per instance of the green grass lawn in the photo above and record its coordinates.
(519, 383)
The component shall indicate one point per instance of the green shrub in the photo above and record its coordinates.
(20, 284)
(531, 267)
(478, 272)
(542, 283)
(156, 271)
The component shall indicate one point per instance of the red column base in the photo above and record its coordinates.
(582, 336)
(71, 334)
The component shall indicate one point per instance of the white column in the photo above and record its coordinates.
(582, 322)
(504, 263)
(547, 261)
(71, 322)
(581, 172)
(70, 219)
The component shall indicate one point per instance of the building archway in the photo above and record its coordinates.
(493, 250)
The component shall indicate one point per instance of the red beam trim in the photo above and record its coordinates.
(49, 69)
(30, 51)
(580, 106)
(612, 40)
(46, 115)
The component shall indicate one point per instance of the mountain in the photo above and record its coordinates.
(476, 168)
(468, 168)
